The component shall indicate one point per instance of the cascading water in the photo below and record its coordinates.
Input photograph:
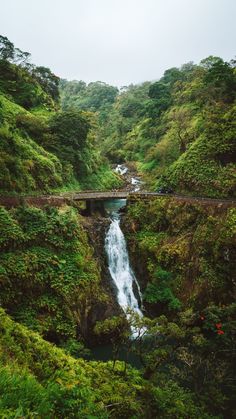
(119, 267)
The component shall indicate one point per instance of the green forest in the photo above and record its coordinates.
(58, 137)
(180, 131)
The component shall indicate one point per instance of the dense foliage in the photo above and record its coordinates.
(39, 380)
(94, 97)
(184, 255)
(43, 148)
(179, 130)
(49, 278)
(44, 382)
(50, 282)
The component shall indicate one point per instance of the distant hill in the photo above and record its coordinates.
(180, 130)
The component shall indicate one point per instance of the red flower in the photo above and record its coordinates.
(220, 332)
(218, 325)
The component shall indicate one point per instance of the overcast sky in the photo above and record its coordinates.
(119, 41)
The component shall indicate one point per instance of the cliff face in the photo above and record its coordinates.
(53, 273)
(183, 253)
(96, 228)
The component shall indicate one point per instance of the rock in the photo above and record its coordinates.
(96, 228)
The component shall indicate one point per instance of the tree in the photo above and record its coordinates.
(48, 81)
(22, 58)
(172, 75)
(8, 52)
(6, 48)
(160, 93)
(117, 329)
(68, 139)
(210, 61)
(220, 79)
(181, 122)
(70, 128)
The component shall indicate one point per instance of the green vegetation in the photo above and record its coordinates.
(188, 251)
(96, 96)
(39, 380)
(24, 165)
(180, 133)
(49, 278)
(185, 253)
(48, 383)
(50, 282)
(42, 148)
(179, 130)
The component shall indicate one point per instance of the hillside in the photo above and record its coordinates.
(43, 148)
(61, 313)
(180, 130)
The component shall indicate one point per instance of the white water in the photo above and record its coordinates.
(120, 268)
(136, 183)
(121, 169)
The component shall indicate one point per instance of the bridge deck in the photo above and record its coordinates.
(96, 195)
(58, 200)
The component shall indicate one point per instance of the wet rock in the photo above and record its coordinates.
(96, 228)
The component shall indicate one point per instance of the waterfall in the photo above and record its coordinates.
(119, 266)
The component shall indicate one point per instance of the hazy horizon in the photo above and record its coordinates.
(119, 42)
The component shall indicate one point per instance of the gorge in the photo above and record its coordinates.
(92, 254)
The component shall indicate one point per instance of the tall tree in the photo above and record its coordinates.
(48, 81)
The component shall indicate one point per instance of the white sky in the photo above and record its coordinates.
(119, 41)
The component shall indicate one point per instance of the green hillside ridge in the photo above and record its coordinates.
(25, 166)
(42, 148)
(180, 130)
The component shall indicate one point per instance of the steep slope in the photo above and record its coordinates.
(42, 147)
(184, 257)
(24, 165)
(38, 379)
(180, 130)
(50, 279)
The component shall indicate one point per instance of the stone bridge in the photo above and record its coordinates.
(95, 199)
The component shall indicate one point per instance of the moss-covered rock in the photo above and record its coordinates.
(184, 252)
(49, 278)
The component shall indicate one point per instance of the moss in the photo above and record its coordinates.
(195, 243)
(25, 166)
(48, 277)
(53, 384)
